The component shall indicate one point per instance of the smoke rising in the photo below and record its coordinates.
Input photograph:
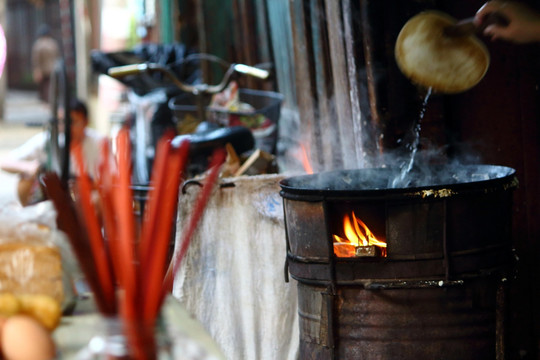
(376, 179)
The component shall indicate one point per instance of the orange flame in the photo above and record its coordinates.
(356, 234)
(305, 160)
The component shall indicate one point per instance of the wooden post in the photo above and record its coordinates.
(324, 87)
(340, 74)
(305, 83)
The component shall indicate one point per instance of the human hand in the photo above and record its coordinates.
(25, 168)
(524, 22)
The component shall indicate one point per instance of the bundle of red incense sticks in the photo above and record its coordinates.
(127, 269)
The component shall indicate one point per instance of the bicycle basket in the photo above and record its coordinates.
(262, 121)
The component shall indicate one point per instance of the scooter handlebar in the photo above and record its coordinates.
(134, 69)
(251, 70)
(125, 70)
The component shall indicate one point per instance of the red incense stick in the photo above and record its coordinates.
(105, 181)
(126, 224)
(154, 270)
(69, 223)
(97, 246)
(218, 159)
(156, 195)
(142, 285)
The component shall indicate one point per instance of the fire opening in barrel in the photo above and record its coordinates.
(357, 240)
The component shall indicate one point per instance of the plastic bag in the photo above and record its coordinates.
(35, 258)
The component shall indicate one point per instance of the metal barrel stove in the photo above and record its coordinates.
(438, 288)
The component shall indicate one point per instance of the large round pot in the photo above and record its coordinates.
(448, 222)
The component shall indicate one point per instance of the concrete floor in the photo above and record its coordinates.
(24, 116)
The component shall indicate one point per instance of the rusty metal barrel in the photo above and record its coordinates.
(439, 292)
(441, 322)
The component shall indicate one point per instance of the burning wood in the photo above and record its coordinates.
(359, 241)
(368, 251)
(343, 249)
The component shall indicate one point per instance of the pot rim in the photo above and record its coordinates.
(302, 187)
